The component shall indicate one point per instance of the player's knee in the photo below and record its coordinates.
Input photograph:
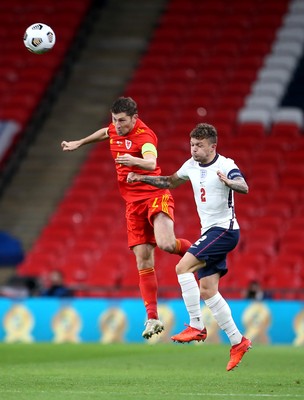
(167, 246)
(181, 268)
(207, 292)
(204, 293)
(144, 262)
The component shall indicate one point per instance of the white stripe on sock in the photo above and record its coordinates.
(222, 314)
(191, 296)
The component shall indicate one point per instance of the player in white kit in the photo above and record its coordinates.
(214, 179)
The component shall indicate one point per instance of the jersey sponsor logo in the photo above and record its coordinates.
(118, 142)
(139, 130)
(128, 144)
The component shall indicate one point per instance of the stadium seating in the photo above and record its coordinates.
(205, 77)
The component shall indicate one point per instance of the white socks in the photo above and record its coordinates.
(191, 296)
(222, 314)
(217, 305)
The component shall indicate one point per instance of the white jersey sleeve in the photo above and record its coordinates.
(183, 171)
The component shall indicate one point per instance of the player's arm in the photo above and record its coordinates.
(238, 184)
(98, 136)
(162, 182)
(147, 162)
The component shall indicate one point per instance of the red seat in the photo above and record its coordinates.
(63, 234)
(284, 280)
(251, 129)
(78, 211)
(259, 246)
(293, 234)
(293, 169)
(263, 182)
(130, 277)
(279, 209)
(38, 263)
(295, 156)
(294, 182)
(265, 167)
(281, 130)
(107, 275)
(232, 101)
(55, 247)
(284, 276)
(247, 267)
(291, 247)
(268, 223)
(297, 222)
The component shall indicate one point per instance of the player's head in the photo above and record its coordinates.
(203, 141)
(124, 105)
(204, 131)
(124, 115)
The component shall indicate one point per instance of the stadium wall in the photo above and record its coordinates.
(121, 320)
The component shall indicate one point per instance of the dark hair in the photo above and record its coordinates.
(126, 105)
(204, 131)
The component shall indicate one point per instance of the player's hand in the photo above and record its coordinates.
(70, 146)
(133, 177)
(223, 178)
(125, 159)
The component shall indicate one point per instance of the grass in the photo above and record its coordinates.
(140, 371)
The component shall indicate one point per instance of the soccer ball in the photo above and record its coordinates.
(39, 38)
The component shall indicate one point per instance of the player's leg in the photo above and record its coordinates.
(141, 240)
(161, 215)
(221, 312)
(164, 232)
(144, 254)
(219, 307)
(191, 295)
(207, 256)
(222, 242)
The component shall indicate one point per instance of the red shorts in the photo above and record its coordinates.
(140, 214)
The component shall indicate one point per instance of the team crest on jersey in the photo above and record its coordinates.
(203, 174)
(128, 144)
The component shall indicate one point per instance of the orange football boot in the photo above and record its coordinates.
(237, 352)
(189, 334)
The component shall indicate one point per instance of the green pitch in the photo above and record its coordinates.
(141, 371)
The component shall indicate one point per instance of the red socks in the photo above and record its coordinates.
(148, 288)
(182, 245)
(148, 281)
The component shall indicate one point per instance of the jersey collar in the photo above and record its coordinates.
(211, 162)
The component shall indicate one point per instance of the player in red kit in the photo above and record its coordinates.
(149, 210)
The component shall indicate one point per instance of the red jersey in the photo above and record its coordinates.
(132, 144)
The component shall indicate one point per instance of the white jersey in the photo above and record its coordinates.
(214, 200)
